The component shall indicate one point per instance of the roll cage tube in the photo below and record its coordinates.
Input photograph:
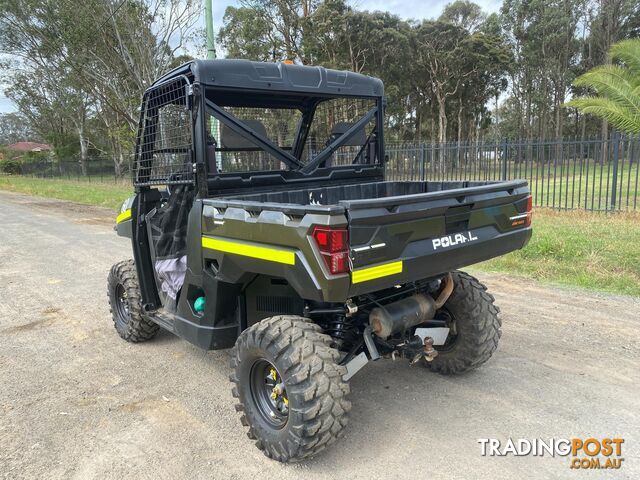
(242, 129)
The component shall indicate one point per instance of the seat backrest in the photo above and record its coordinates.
(341, 127)
(231, 140)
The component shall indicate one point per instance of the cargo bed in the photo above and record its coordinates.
(349, 194)
(402, 231)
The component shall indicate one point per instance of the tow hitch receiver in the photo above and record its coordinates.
(418, 348)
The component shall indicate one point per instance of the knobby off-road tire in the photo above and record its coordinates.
(477, 323)
(306, 363)
(125, 305)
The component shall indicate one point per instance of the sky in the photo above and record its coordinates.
(415, 9)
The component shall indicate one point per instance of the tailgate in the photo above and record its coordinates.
(400, 239)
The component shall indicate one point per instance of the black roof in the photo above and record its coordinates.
(245, 74)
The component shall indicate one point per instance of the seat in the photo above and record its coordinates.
(231, 140)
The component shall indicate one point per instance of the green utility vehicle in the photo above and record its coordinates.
(262, 222)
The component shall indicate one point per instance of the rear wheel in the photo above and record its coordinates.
(289, 387)
(475, 327)
(123, 292)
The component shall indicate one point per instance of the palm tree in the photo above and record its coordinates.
(617, 88)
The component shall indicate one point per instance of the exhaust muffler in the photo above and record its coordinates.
(399, 316)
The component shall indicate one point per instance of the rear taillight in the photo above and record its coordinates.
(527, 222)
(333, 244)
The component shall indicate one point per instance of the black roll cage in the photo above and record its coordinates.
(198, 103)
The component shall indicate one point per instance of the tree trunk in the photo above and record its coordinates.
(84, 149)
(459, 150)
(559, 100)
(442, 129)
(604, 133)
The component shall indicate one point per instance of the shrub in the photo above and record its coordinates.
(13, 167)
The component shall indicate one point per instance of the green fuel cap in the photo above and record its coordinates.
(199, 304)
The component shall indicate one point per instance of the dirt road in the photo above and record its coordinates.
(78, 402)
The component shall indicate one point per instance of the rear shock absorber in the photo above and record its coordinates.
(342, 330)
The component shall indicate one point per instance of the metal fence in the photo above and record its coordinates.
(95, 169)
(591, 174)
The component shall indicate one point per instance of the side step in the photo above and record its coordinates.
(163, 318)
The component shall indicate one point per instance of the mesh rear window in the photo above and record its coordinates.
(332, 117)
(280, 126)
(163, 153)
(236, 153)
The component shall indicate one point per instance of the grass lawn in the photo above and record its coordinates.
(104, 194)
(591, 250)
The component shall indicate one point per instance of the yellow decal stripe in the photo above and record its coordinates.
(371, 273)
(126, 215)
(247, 250)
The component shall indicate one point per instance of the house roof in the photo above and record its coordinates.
(29, 147)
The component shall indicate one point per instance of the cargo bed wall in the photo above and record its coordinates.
(360, 191)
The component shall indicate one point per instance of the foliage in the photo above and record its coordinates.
(464, 14)
(617, 88)
(401, 53)
(77, 70)
(14, 127)
(11, 166)
(76, 65)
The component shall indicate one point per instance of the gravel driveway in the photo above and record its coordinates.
(78, 402)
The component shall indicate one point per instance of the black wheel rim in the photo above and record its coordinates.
(452, 338)
(269, 393)
(121, 306)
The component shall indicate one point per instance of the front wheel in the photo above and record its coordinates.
(123, 292)
(289, 387)
(475, 327)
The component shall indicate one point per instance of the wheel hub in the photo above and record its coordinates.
(269, 393)
(121, 304)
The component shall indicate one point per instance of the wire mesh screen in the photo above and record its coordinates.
(164, 153)
(280, 126)
(332, 118)
(237, 153)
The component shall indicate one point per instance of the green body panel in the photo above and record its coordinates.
(309, 276)
(399, 236)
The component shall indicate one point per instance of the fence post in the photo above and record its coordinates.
(616, 157)
(423, 162)
(504, 159)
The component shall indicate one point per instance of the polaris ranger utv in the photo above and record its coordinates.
(262, 222)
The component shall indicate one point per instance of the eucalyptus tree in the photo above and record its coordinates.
(464, 14)
(109, 51)
(15, 127)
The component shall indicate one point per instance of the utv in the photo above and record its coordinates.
(262, 221)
